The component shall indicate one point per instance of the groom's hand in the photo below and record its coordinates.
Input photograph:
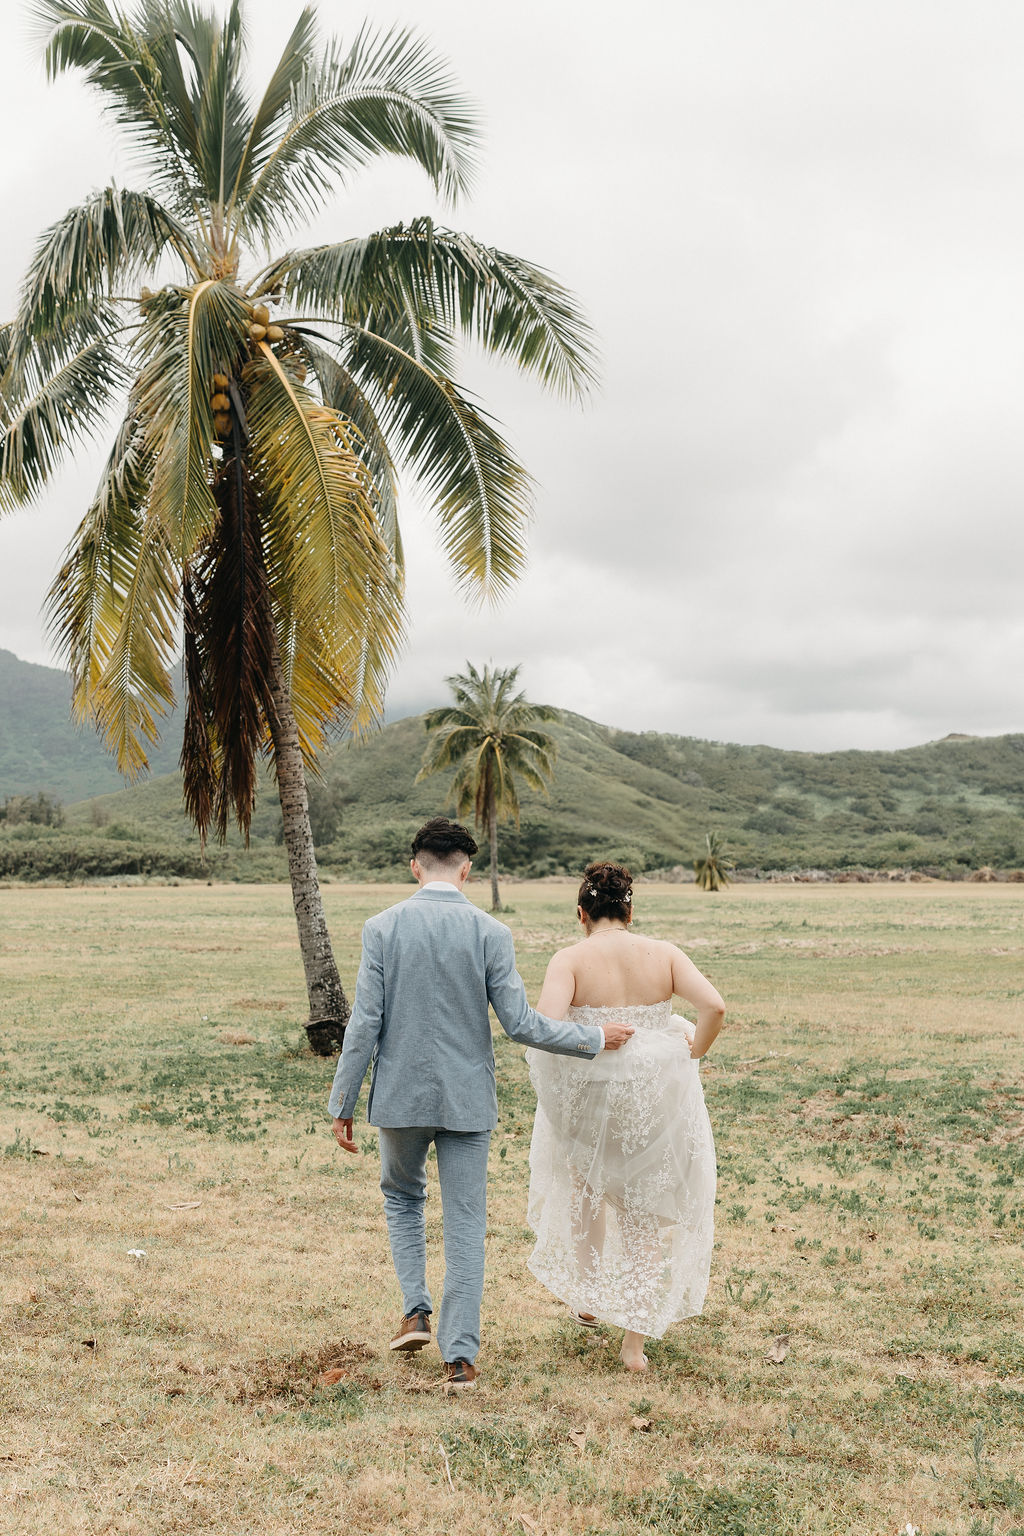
(343, 1135)
(616, 1035)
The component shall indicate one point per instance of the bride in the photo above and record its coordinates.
(622, 1162)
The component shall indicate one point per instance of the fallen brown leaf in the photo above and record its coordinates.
(578, 1438)
(89, 1343)
(778, 1349)
(184, 1205)
(329, 1378)
(528, 1524)
(40, 1152)
(643, 1425)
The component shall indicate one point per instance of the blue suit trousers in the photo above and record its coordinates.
(462, 1173)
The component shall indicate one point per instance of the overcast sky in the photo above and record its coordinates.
(793, 513)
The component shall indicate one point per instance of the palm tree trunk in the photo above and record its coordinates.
(492, 833)
(328, 1005)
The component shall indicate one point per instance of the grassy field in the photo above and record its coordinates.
(185, 1250)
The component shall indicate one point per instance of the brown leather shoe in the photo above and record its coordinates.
(458, 1375)
(413, 1334)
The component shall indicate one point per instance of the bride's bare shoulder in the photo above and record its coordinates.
(661, 947)
(562, 959)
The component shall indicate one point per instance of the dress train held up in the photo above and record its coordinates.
(622, 1174)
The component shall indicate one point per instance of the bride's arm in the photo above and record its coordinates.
(689, 984)
(559, 987)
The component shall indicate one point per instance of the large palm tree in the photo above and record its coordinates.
(490, 737)
(267, 401)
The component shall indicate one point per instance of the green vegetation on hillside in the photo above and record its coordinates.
(41, 749)
(643, 799)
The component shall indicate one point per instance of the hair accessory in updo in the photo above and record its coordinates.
(606, 891)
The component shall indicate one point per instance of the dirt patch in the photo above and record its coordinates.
(296, 1377)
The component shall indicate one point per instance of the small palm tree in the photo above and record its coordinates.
(489, 736)
(268, 402)
(712, 871)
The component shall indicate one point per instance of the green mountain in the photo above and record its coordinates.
(646, 799)
(43, 751)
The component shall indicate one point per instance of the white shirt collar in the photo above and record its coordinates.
(439, 885)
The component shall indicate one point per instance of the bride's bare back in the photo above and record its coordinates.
(613, 968)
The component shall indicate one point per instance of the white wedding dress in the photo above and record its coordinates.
(622, 1174)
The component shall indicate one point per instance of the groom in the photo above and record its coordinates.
(429, 968)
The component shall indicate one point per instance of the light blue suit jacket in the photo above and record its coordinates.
(429, 968)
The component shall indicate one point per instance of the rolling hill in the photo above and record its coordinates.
(646, 799)
(41, 749)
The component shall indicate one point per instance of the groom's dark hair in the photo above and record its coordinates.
(441, 840)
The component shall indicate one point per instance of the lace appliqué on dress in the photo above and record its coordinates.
(622, 1174)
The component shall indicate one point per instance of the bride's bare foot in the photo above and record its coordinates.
(632, 1352)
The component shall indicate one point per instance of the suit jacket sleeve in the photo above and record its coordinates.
(363, 1029)
(507, 996)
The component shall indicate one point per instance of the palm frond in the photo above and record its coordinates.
(85, 257)
(337, 681)
(214, 110)
(449, 749)
(480, 492)
(134, 687)
(116, 52)
(296, 59)
(83, 601)
(335, 281)
(334, 580)
(185, 338)
(443, 282)
(339, 391)
(42, 417)
(112, 607)
(388, 95)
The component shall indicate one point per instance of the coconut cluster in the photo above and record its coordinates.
(220, 404)
(260, 328)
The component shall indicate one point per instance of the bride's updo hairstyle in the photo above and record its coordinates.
(607, 891)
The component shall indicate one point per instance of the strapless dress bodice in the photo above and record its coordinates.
(640, 1015)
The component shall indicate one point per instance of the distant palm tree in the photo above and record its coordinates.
(489, 736)
(250, 499)
(712, 871)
